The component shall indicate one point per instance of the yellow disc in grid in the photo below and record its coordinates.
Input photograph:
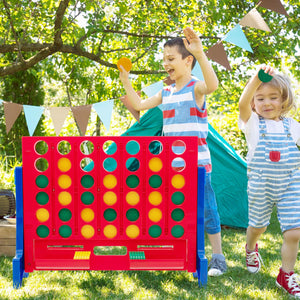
(87, 215)
(110, 198)
(110, 181)
(64, 164)
(155, 164)
(64, 181)
(155, 198)
(110, 231)
(155, 215)
(42, 215)
(64, 198)
(178, 181)
(133, 198)
(132, 231)
(87, 231)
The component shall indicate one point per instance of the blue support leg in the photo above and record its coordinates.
(18, 261)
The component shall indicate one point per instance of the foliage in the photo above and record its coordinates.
(7, 168)
(237, 283)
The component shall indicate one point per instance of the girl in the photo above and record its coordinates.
(273, 169)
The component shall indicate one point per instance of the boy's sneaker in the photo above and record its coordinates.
(289, 282)
(217, 266)
(253, 260)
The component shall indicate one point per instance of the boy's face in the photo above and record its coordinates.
(174, 64)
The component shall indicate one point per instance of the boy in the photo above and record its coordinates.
(184, 114)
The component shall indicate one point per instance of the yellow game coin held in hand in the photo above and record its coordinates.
(110, 231)
(125, 63)
(42, 215)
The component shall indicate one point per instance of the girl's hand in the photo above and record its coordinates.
(192, 41)
(267, 69)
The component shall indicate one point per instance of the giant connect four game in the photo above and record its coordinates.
(109, 203)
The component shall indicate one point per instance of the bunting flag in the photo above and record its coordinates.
(274, 5)
(81, 115)
(218, 54)
(1, 101)
(197, 72)
(104, 110)
(153, 89)
(255, 20)
(237, 37)
(32, 116)
(11, 113)
(58, 116)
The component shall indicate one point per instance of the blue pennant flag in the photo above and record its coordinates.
(1, 101)
(197, 72)
(32, 116)
(104, 110)
(237, 37)
(153, 89)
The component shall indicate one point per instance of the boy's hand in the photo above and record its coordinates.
(124, 75)
(192, 41)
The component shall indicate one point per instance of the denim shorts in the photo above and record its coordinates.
(211, 215)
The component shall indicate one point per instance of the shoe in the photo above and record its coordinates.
(217, 267)
(253, 260)
(289, 282)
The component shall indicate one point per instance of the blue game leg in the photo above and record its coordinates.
(18, 260)
(201, 260)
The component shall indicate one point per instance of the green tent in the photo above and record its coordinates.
(229, 170)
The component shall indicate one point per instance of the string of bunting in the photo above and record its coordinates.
(104, 109)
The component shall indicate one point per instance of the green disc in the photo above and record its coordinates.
(42, 198)
(65, 231)
(178, 198)
(110, 214)
(177, 231)
(177, 214)
(132, 214)
(264, 77)
(87, 198)
(42, 181)
(65, 214)
(42, 231)
(132, 181)
(155, 181)
(155, 231)
(87, 181)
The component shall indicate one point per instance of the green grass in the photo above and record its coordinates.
(237, 283)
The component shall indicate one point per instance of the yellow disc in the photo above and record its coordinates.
(125, 63)
(133, 198)
(87, 231)
(132, 231)
(155, 198)
(110, 198)
(155, 215)
(110, 231)
(64, 181)
(155, 164)
(42, 214)
(64, 164)
(87, 215)
(64, 198)
(178, 181)
(110, 181)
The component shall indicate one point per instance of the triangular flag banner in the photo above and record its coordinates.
(255, 20)
(104, 110)
(11, 113)
(197, 72)
(1, 101)
(274, 5)
(126, 102)
(237, 37)
(32, 116)
(58, 116)
(153, 89)
(218, 54)
(81, 115)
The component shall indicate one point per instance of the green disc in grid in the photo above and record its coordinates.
(177, 214)
(132, 181)
(42, 181)
(42, 198)
(155, 181)
(178, 198)
(42, 231)
(110, 214)
(87, 181)
(177, 231)
(65, 214)
(155, 231)
(132, 214)
(65, 231)
(87, 198)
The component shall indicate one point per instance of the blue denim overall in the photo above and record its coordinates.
(274, 179)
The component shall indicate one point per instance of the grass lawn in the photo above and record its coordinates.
(237, 283)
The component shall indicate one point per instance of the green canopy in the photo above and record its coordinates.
(229, 170)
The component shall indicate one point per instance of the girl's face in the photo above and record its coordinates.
(268, 102)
